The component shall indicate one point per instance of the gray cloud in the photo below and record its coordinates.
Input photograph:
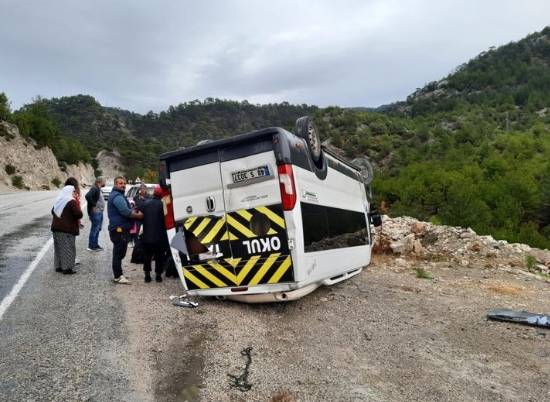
(143, 55)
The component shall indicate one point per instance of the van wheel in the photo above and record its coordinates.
(306, 129)
(366, 169)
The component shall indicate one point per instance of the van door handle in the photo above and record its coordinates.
(210, 204)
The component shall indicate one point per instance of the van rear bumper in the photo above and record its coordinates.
(281, 292)
(276, 296)
(245, 290)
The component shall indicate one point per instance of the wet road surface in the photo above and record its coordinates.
(64, 336)
(25, 220)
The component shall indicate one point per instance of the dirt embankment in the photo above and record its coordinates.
(23, 166)
(412, 326)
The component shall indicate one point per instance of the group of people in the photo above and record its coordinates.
(146, 212)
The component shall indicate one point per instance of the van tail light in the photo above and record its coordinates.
(169, 221)
(286, 184)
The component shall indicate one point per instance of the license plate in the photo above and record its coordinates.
(250, 174)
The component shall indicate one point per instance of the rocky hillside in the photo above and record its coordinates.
(111, 164)
(420, 244)
(24, 166)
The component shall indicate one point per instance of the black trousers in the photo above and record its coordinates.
(120, 246)
(157, 251)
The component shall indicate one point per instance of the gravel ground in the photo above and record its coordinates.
(384, 335)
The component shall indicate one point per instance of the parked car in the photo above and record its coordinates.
(106, 190)
(134, 189)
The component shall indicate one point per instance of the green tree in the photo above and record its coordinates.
(4, 107)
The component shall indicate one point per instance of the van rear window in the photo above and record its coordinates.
(327, 228)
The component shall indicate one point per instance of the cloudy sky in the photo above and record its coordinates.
(146, 55)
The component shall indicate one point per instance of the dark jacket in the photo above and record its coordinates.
(92, 197)
(154, 231)
(119, 211)
(68, 222)
(139, 201)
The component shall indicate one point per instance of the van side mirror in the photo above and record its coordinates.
(375, 218)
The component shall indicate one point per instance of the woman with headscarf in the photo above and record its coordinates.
(66, 213)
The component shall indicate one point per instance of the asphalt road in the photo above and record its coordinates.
(25, 219)
(63, 337)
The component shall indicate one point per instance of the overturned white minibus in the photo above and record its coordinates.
(266, 216)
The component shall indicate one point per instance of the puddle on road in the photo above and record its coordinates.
(38, 228)
(179, 373)
(19, 248)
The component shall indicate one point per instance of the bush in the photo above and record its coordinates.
(17, 181)
(10, 169)
(530, 263)
(56, 182)
(4, 107)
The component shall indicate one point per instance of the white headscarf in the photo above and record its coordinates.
(62, 200)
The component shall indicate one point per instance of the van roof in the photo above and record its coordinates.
(241, 138)
(248, 138)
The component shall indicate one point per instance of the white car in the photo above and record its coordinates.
(134, 190)
(106, 190)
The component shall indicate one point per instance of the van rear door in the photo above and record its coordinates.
(254, 215)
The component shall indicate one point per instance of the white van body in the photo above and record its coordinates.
(238, 232)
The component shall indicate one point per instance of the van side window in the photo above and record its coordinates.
(327, 228)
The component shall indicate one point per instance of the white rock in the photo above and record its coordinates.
(403, 245)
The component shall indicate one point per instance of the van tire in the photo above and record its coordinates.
(367, 173)
(306, 129)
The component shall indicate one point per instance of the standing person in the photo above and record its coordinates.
(139, 200)
(155, 238)
(96, 206)
(120, 221)
(142, 196)
(66, 226)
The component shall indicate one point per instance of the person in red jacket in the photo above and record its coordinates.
(65, 227)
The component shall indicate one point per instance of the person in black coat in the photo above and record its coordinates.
(154, 238)
(138, 201)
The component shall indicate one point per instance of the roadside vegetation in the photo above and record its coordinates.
(34, 121)
(10, 169)
(17, 181)
(422, 273)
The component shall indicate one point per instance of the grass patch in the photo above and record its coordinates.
(530, 263)
(17, 181)
(422, 273)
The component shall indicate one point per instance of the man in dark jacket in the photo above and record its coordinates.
(120, 221)
(96, 205)
(155, 239)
